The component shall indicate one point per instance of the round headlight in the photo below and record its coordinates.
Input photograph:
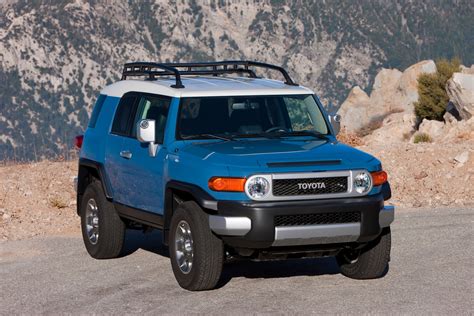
(257, 187)
(362, 182)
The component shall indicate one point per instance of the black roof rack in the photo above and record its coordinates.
(152, 70)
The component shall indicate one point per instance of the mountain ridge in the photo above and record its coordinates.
(55, 56)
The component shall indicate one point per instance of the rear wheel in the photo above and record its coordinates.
(370, 262)
(102, 229)
(196, 254)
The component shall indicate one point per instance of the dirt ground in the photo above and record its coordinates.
(39, 198)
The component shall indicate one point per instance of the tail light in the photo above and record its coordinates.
(78, 141)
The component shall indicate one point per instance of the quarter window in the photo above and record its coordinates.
(96, 110)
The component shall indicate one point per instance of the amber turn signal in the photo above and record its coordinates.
(227, 184)
(379, 177)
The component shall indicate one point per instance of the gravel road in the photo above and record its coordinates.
(431, 271)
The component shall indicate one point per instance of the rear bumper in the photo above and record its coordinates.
(251, 224)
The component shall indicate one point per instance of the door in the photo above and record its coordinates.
(119, 131)
(141, 176)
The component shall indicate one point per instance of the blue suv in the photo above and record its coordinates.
(228, 165)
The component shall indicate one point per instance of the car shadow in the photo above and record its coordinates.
(278, 269)
(151, 241)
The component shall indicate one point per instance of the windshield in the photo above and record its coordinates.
(250, 116)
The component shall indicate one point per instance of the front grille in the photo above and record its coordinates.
(309, 186)
(315, 219)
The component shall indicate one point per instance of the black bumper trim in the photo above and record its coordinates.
(262, 234)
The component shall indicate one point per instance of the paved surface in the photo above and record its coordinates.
(431, 271)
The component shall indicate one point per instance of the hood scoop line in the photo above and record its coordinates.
(303, 163)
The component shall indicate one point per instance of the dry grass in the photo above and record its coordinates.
(57, 202)
(422, 138)
(350, 139)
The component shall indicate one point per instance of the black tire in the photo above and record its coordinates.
(111, 229)
(207, 249)
(371, 262)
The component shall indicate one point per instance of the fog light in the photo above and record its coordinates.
(362, 182)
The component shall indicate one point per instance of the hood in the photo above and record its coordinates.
(274, 153)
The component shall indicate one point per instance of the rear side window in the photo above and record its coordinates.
(96, 110)
(123, 115)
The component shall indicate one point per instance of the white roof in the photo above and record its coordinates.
(195, 86)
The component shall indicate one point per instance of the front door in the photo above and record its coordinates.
(143, 174)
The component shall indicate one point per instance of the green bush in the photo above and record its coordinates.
(422, 138)
(432, 99)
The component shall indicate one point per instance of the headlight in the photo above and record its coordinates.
(257, 187)
(362, 182)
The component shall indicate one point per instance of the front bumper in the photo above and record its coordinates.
(251, 224)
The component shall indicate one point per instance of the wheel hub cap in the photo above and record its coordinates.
(184, 247)
(92, 221)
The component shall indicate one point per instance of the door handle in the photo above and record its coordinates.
(126, 154)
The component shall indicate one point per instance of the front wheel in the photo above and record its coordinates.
(196, 254)
(370, 262)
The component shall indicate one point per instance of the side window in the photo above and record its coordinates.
(96, 110)
(153, 107)
(123, 115)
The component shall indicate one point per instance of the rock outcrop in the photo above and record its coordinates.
(449, 131)
(467, 70)
(355, 111)
(408, 86)
(460, 89)
(388, 113)
(391, 101)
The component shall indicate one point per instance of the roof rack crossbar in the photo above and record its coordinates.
(204, 68)
(145, 69)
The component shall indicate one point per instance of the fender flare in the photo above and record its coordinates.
(87, 167)
(204, 199)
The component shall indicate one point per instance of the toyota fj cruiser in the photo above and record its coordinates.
(228, 165)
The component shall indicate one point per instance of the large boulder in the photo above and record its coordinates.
(397, 127)
(393, 93)
(385, 90)
(458, 131)
(460, 89)
(466, 70)
(355, 111)
(434, 128)
(408, 86)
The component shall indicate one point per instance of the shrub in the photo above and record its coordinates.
(432, 96)
(422, 138)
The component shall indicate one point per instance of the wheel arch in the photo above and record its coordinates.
(89, 171)
(177, 192)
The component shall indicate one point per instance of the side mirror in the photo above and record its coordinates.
(335, 120)
(146, 134)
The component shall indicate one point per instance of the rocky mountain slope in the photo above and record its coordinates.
(56, 55)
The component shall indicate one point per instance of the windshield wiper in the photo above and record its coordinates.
(256, 135)
(304, 133)
(201, 136)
